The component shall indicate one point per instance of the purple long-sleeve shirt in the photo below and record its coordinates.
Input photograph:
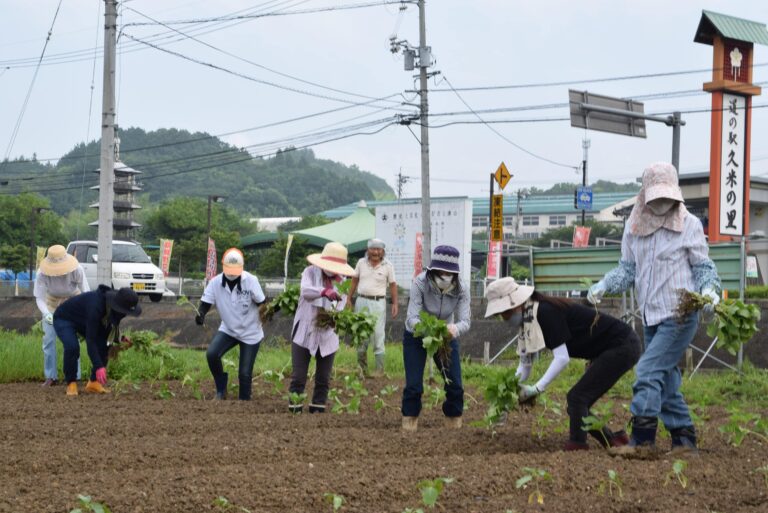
(305, 333)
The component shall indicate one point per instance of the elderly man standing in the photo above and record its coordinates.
(373, 274)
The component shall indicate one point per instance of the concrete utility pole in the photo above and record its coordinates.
(425, 59)
(107, 173)
(584, 181)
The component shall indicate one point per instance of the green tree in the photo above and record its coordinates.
(14, 257)
(18, 213)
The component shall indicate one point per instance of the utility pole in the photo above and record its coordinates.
(585, 145)
(676, 121)
(401, 181)
(107, 173)
(425, 59)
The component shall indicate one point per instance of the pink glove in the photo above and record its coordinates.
(331, 294)
(101, 375)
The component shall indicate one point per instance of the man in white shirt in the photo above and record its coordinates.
(237, 295)
(373, 275)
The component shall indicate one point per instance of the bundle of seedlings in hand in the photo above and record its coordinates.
(287, 302)
(358, 325)
(118, 346)
(734, 323)
(434, 336)
(501, 396)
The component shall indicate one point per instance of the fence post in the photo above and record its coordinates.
(486, 352)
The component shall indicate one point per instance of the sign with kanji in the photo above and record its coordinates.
(581, 236)
(494, 260)
(418, 263)
(497, 217)
(166, 246)
(502, 175)
(210, 266)
(584, 198)
(732, 161)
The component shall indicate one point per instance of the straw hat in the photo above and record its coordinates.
(232, 261)
(333, 259)
(58, 262)
(505, 294)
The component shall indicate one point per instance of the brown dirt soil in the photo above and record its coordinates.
(137, 452)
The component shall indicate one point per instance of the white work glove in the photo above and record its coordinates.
(48, 318)
(453, 330)
(595, 292)
(527, 392)
(708, 312)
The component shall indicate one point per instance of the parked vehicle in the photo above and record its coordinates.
(131, 267)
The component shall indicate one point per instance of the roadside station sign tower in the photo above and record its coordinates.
(732, 90)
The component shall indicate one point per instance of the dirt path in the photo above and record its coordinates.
(138, 453)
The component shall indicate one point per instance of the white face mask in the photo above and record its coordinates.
(231, 277)
(443, 282)
(661, 206)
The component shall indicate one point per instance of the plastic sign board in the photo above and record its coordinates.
(751, 267)
(613, 122)
(399, 226)
(732, 162)
(502, 175)
(581, 236)
(210, 266)
(497, 217)
(166, 248)
(584, 198)
(494, 260)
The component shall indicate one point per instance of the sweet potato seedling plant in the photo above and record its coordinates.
(434, 336)
(612, 484)
(223, 504)
(87, 504)
(534, 476)
(336, 501)
(286, 302)
(678, 473)
(742, 423)
(430, 491)
(500, 393)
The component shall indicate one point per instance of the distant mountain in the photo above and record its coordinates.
(179, 163)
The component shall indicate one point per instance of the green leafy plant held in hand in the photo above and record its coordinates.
(286, 302)
(501, 395)
(434, 336)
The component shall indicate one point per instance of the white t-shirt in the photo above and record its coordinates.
(374, 281)
(237, 307)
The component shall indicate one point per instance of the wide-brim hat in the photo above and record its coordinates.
(445, 258)
(232, 262)
(333, 259)
(58, 262)
(125, 301)
(660, 181)
(505, 294)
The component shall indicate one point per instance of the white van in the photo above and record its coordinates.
(131, 267)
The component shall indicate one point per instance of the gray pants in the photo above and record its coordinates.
(379, 310)
(300, 358)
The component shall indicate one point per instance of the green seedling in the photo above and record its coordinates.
(431, 489)
(165, 392)
(354, 391)
(287, 302)
(550, 413)
(184, 301)
(194, 386)
(763, 470)
(534, 476)
(434, 396)
(434, 336)
(501, 395)
(336, 501)
(678, 473)
(223, 504)
(740, 424)
(380, 403)
(296, 399)
(613, 483)
(275, 378)
(87, 504)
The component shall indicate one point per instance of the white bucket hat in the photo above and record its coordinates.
(333, 259)
(505, 294)
(58, 262)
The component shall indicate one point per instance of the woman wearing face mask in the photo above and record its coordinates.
(237, 295)
(663, 249)
(440, 292)
(565, 328)
(95, 316)
(317, 293)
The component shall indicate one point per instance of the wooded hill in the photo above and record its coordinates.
(179, 163)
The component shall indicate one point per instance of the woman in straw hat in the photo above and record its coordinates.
(237, 295)
(438, 291)
(317, 294)
(60, 277)
(95, 316)
(663, 249)
(569, 330)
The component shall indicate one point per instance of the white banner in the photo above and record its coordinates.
(732, 163)
(397, 225)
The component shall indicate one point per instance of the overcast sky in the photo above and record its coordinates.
(342, 58)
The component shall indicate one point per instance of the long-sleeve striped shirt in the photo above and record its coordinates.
(305, 333)
(660, 264)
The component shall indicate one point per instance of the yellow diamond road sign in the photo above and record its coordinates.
(502, 175)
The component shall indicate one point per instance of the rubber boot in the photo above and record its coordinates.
(642, 441)
(573, 445)
(410, 423)
(244, 391)
(295, 408)
(608, 438)
(316, 408)
(379, 364)
(221, 386)
(684, 440)
(362, 360)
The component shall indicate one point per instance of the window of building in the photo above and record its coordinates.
(556, 220)
(479, 222)
(530, 220)
(509, 220)
(531, 235)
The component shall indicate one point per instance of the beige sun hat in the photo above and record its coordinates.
(333, 259)
(505, 294)
(232, 262)
(58, 262)
(660, 181)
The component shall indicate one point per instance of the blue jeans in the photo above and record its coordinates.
(222, 343)
(414, 359)
(656, 392)
(67, 333)
(50, 363)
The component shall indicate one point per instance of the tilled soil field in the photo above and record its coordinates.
(137, 452)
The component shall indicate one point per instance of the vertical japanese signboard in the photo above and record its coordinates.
(494, 260)
(166, 246)
(210, 266)
(732, 178)
(497, 218)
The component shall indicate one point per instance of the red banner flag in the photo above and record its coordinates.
(210, 266)
(581, 236)
(166, 246)
(494, 260)
(417, 260)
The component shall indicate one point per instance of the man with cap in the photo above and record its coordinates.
(95, 316)
(569, 330)
(373, 275)
(318, 293)
(441, 292)
(663, 249)
(237, 295)
(60, 277)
